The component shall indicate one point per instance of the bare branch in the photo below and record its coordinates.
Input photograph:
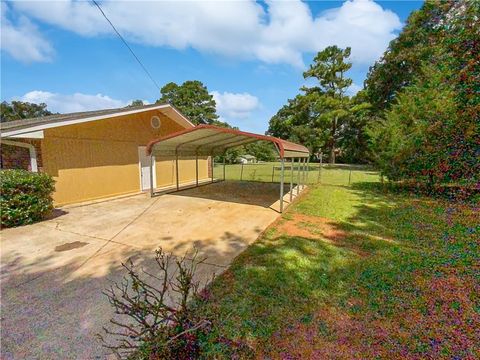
(142, 314)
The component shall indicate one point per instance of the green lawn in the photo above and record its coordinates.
(268, 171)
(353, 272)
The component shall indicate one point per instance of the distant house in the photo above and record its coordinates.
(98, 154)
(246, 159)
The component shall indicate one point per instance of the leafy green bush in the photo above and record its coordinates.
(426, 90)
(25, 197)
(412, 141)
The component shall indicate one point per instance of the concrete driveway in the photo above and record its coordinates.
(53, 272)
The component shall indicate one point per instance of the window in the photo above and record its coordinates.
(155, 122)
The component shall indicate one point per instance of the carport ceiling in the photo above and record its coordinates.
(206, 140)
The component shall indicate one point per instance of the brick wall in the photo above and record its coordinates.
(16, 157)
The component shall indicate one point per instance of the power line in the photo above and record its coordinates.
(126, 44)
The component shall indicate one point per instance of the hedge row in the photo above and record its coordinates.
(25, 197)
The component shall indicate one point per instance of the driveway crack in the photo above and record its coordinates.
(118, 233)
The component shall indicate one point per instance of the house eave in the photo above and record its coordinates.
(36, 129)
(28, 135)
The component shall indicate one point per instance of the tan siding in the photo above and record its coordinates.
(166, 173)
(100, 159)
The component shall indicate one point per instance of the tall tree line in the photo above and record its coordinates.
(426, 89)
(323, 117)
(18, 110)
(418, 114)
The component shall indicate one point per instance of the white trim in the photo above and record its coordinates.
(29, 135)
(142, 149)
(154, 172)
(182, 116)
(34, 127)
(30, 147)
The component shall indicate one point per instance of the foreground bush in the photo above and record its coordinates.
(25, 197)
(154, 313)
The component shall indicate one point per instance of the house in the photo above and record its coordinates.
(98, 154)
(246, 159)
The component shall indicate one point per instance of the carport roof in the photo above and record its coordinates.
(206, 140)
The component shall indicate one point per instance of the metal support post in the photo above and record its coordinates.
(151, 176)
(273, 171)
(298, 176)
(281, 184)
(308, 171)
(176, 171)
(196, 169)
(303, 173)
(320, 169)
(213, 167)
(224, 168)
(291, 178)
(241, 173)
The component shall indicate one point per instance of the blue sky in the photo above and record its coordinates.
(250, 55)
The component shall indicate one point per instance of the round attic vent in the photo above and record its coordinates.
(155, 122)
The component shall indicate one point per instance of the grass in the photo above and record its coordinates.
(268, 171)
(354, 272)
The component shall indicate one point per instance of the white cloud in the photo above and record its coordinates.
(280, 33)
(72, 103)
(22, 40)
(236, 106)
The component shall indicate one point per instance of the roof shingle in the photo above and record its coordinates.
(50, 119)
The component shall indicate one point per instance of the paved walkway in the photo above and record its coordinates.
(53, 272)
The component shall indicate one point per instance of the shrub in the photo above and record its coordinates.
(428, 82)
(25, 197)
(413, 142)
(154, 313)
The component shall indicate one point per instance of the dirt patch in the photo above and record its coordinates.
(70, 246)
(310, 227)
(319, 229)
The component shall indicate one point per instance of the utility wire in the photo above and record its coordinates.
(126, 44)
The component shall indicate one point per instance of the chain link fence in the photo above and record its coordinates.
(337, 174)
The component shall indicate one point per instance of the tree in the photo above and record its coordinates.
(329, 69)
(136, 103)
(297, 121)
(262, 150)
(402, 61)
(17, 110)
(353, 135)
(323, 117)
(411, 141)
(460, 39)
(427, 90)
(192, 99)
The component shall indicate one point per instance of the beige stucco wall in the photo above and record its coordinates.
(100, 159)
(166, 173)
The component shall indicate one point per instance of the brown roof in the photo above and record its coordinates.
(214, 140)
(50, 119)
